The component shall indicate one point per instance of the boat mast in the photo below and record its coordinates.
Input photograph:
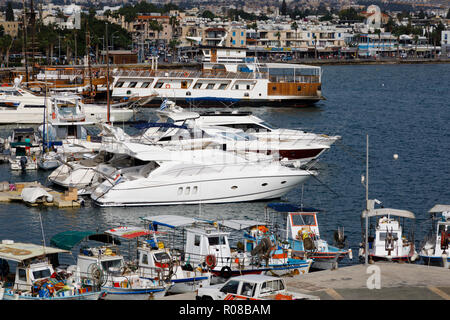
(24, 15)
(88, 53)
(366, 251)
(107, 77)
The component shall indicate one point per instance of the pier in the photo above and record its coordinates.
(398, 281)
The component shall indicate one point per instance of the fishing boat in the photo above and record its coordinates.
(303, 237)
(106, 265)
(241, 82)
(388, 241)
(24, 149)
(37, 275)
(155, 261)
(436, 247)
(205, 244)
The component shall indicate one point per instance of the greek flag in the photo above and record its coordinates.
(163, 105)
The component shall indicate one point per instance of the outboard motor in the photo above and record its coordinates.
(23, 162)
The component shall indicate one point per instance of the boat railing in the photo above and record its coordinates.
(296, 79)
(191, 74)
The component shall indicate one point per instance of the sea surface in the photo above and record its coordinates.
(403, 109)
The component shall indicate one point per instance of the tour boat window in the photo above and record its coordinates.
(32, 106)
(119, 84)
(198, 85)
(264, 184)
(188, 93)
(299, 88)
(180, 191)
(222, 86)
(234, 187)
(159, 84)
(210, 86)
(39, 274)
(132, 84)
(187, 191)
(195, 190)
(246, 94)
(216, 240)
(248, 87)
(145, 85)
(236, 87)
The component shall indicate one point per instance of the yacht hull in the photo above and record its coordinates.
(223, 190)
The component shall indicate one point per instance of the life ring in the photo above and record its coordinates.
(186, 74)
(210, 261)
(167, 86)
(225, 272)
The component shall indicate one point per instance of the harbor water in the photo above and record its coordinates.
(404, 109)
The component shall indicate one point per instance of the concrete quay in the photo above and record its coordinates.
(397, 281)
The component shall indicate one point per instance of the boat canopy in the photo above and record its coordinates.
(288, 207)
(158, 125)
(171, 221)
(130, 232)
(440, 208)
(68, 239)
(388, 211)
(240, 224)
(17, 251)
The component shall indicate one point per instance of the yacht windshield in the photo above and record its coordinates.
(112, 265)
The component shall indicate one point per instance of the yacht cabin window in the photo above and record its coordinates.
(39, 274)
(216, 240)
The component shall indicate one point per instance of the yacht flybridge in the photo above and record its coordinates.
(222, 81)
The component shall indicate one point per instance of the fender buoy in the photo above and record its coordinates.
(225, 272)
(167, 86)
(210, 261)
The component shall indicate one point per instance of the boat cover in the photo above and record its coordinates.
(388, 211)
(440, 208)
(17, 251)
(288, 207)
(68, 239)
(30, 195)
(240, 224)
(128, 232)
(171, 221)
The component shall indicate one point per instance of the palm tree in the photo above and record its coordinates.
(416, 40)
(156, 26)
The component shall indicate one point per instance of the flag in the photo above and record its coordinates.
(163, 105)
(117, 178)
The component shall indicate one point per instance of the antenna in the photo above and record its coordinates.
(366, 251)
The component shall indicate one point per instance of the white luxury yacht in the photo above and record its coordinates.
(19, 105)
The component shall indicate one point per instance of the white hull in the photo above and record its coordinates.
(36, 115)
(84, 296)
(223, 190)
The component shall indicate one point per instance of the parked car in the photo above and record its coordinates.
(251, 287)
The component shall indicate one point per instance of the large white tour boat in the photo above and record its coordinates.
(242, 82)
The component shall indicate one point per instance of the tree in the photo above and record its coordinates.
(283, 8)
(208, 15)
(9, 13)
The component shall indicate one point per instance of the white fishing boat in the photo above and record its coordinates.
(388, 241)
(19, 105)
(240, 82)
(35, 276)
(155, 261)
(436, 247)
(303, 237)
(192, 177)
(24, 149)
(206, 245)
(107, 266)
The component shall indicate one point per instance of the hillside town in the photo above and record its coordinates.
(62, 33)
